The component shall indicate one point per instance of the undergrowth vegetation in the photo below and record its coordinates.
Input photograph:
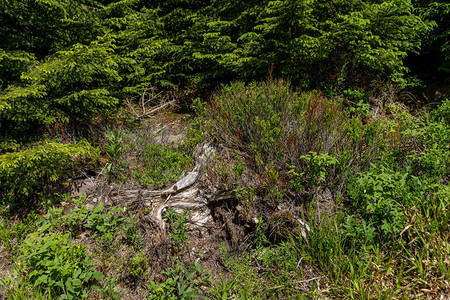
(295, 139)
(139, 156)
(387, 233)
(34, 171)
(329, 205)
(143, 155)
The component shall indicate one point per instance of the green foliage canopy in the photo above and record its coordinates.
(63, 61)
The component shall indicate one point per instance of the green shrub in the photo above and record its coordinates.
(180, 284)
(250, 117)
(357, 233)
(272, 122)
(433, 133)
(317, 167)
(442, 113)
(40, 169)
(281, 129)
(360, 145)
(101, 222)
(432, 162)
(54, 265)
(380, 195)
(358, 100)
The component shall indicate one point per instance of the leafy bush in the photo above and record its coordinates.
(54, 265)
(442, 113)
(317, 165)
(180, 284)
(100, 221)
(432, 162)
(272, 122)
(430, 137)
(379, 195)
(39, 169)
(303, 137)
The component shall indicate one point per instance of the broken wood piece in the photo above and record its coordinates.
(145, 114)
(184, 182)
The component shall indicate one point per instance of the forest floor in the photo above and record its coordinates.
(166, 213)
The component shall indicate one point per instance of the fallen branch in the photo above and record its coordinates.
(145, 114)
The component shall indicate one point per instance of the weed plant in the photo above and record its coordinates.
(138, 155)
(177, 230)
(180, 283)
(54, 265)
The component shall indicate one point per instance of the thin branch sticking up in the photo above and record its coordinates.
(158, 108)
